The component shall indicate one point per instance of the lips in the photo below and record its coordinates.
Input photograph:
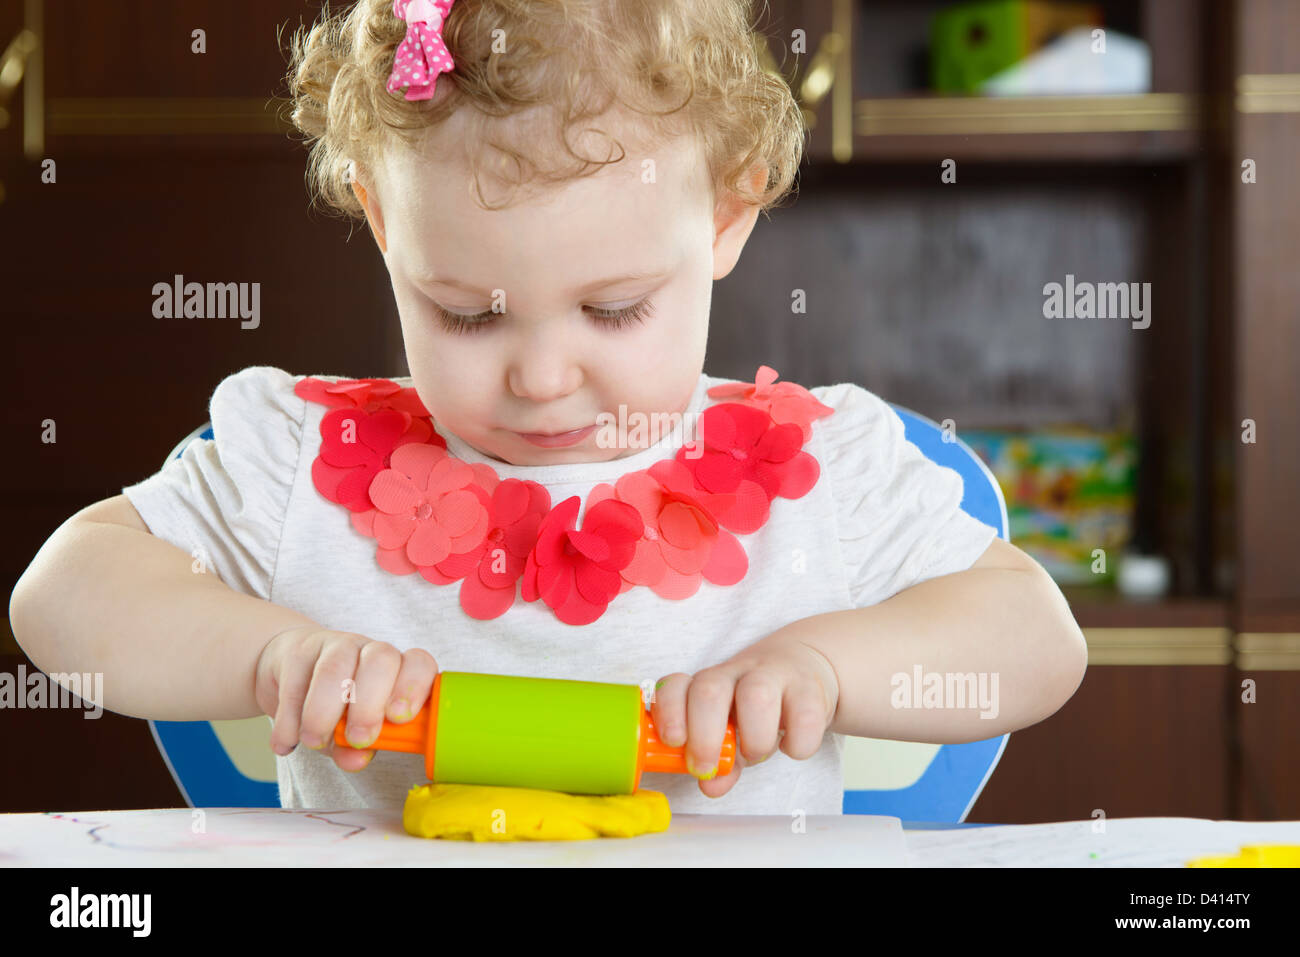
(551, 435)
(556, 439)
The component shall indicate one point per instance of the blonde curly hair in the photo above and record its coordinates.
(684, 66)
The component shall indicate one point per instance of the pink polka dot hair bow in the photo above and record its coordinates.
(422, 55)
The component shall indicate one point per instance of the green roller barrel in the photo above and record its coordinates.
(561, 735)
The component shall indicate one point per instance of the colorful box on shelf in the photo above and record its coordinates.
(1069, 491)
(973, 41)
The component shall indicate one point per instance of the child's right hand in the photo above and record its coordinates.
(302, 677)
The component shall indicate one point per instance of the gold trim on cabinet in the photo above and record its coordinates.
(1268, 93)
(1158, 646)
(34, 89)
(142, 116)
(911, 116)
(1267, 651)
(842, 94)
(22, 64)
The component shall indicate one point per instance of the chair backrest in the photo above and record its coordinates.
(230, 763)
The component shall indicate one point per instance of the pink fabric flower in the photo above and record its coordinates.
(369, 419)
(681, 543)
(785, 402)
(576, 572)
(369, 395)
(355, 447)
(429, 507)
(742, 452)
(491, 570)
(668, 527)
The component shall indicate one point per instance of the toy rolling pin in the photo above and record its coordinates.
(582, 737)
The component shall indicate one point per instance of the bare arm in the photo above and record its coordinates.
(1003, 619)
(104, 595)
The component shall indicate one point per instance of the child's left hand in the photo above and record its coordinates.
(784, 693)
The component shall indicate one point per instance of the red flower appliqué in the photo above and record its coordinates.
(368, 395)
(784, 401)
(491, 570)
(669, 527)
(681, 543)
(428, 507)
(741, 451)
(369, 419)
(576, 571)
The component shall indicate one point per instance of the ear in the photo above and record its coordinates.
(374, 216)
(733, 221)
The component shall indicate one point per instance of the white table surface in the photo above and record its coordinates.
(364, 838)
(281, 837)
(1114, 842)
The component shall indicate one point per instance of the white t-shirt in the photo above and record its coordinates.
(880, 519)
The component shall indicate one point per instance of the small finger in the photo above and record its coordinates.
(708, 705)
(716, 787)
(759, 695)
(349, 759)
(804, 718)
(413, 685)
(295, 680)
(377, 668)
(326, 698)
(668, 708)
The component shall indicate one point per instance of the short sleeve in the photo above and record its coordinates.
(227, 496)
(898, 514)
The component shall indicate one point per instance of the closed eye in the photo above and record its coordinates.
(611, 318)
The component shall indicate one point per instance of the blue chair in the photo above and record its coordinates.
(230, 763)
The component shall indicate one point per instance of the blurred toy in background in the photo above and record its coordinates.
(973, 42)
(1072, 65)
(1028, 48)
(1069, 491)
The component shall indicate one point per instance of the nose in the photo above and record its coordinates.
(544, 372)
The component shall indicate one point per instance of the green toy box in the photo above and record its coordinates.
(973, 41)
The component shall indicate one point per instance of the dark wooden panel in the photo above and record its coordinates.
(1267, 307)
(143, 48)
(1268, 782)
(1134, 741)
(60, 760)
(122, 385)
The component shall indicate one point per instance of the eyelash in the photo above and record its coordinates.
(615, 319)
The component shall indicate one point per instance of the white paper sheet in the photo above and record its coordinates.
(169, 837)
(1124, 842)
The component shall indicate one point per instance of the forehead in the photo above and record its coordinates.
(614, 216)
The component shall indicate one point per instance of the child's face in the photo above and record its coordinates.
(549, 359)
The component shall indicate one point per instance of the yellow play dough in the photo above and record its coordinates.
(468, 812)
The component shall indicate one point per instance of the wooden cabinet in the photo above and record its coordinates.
(173, 162)
(914, 275)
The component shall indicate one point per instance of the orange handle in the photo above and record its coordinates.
(409, 736)
(659, 757)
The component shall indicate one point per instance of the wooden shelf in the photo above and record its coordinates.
(1151, 127)
(1103, 608)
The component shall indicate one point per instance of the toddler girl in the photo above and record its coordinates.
(556, 490)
